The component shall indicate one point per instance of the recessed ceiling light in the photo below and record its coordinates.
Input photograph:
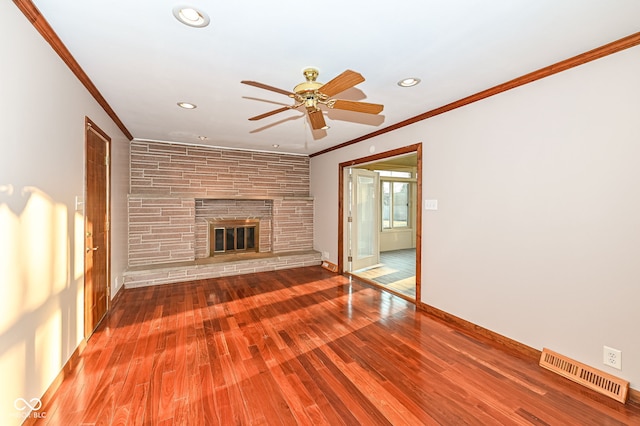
(191, 16)
(187, 105)
(275, 145)
(408, 82)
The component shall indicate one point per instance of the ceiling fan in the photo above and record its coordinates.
(311, 94)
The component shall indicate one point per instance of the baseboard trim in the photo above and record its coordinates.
(117, 297)
(68, 367)
(464, 325)
(504, 342)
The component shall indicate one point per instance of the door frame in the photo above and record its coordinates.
(417, 148)
(90, 126)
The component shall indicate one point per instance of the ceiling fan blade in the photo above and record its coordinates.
(358, 106)
(267, 87)
(317, 120)
(342, 82)
(268, 114)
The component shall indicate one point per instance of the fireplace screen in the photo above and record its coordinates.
(233, 236)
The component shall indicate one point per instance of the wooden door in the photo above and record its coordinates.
(96, 227)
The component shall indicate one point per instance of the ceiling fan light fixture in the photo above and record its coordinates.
(187, 105)
(191, 16)
(311, 94)
(409, 82)
(308, 87)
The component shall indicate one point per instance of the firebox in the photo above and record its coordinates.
(233, 236)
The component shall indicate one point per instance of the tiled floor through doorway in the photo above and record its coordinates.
(396, 271)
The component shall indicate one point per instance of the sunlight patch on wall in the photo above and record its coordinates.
(78, 270)
(36, 311)
(79, 310)
(9, 273)
(48, 349)
(60, 247)
(44, 248)
(78, 255)
(35, 243)
(12, 367)
(34, 255)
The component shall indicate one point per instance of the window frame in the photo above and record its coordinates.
(411, 182)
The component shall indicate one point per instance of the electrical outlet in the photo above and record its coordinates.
(612, 357)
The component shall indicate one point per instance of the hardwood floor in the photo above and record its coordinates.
(305, 346)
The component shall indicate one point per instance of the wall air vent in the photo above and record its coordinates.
(590, 377)
(329, 266)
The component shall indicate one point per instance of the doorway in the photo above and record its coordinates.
(380, 222)
(96, 227)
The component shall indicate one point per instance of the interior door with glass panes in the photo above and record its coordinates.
(363, 218)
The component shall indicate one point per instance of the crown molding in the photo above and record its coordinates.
(597, 53)
(40, 23)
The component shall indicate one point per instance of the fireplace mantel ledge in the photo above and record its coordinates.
(218, 197)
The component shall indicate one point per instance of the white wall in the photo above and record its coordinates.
(537, 235)
(397, 239)
(42, 112)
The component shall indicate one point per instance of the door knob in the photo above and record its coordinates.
(92, 249)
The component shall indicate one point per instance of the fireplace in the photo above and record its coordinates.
(234, 236)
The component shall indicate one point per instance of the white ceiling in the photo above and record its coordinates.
(144, 61)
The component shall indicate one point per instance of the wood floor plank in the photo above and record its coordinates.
(305, 346)
(396, 408)
(203, 398)
(121, 416)
(294, 398)
(167, 400)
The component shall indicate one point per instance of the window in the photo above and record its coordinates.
(395, 204)
(393, 173)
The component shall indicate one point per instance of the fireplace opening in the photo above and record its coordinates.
(233, 236)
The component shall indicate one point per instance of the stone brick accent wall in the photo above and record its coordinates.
(174, 187)
(168, 169)
(292, 225)
(161, 230)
